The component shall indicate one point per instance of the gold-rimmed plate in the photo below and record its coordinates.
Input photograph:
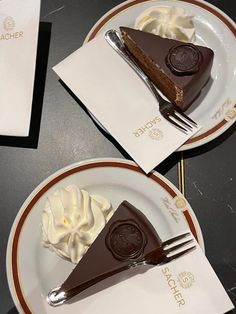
(215, 109)
(33, 270)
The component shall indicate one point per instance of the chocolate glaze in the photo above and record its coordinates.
(157, 49)
(126, 239)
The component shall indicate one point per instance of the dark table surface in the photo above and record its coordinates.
(67, 134)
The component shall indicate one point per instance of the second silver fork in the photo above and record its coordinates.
(167, 109)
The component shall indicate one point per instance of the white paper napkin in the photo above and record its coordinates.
(19, 22)
(121, 102)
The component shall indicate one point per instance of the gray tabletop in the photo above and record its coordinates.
(67, 134)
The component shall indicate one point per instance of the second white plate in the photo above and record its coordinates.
(215, 109)
(33, 270)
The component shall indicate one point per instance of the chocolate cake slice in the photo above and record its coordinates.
(125, 240)
(179, 70)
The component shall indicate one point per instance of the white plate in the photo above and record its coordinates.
(33, 270)
(215, 109)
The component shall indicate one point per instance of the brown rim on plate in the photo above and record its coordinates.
(79, 168)
(208, 132)
(134, 2)
(203, 5)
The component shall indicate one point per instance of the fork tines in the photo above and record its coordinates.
(181, 120)
(178, 246)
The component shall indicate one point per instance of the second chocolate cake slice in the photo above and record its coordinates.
(178, 69)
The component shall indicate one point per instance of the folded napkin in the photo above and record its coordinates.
(121, 102)
(19, 22)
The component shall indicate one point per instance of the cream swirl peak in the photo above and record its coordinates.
(72, 219)
(166, 21)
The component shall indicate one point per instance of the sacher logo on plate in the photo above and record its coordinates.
(175, 283)
(9, 26)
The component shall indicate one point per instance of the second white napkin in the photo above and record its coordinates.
(19, 23)
(121, 102)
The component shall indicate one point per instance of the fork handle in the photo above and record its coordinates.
(58, 296)
(113, 39)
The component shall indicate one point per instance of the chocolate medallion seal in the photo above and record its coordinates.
(184, 59)
(126, 240)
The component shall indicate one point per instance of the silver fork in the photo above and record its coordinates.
(167, 251)
(167, 109)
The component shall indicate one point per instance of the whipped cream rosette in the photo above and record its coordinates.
(169, 22)
(72, 219)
